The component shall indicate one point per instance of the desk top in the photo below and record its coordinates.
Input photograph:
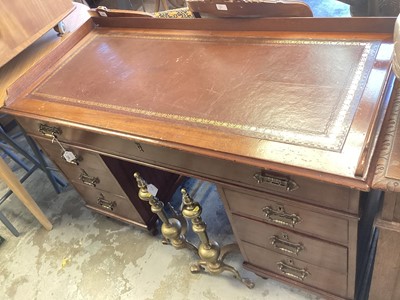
(291, 99)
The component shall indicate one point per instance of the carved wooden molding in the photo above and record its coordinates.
(380, 180)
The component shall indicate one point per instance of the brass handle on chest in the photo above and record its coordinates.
(88, 180)
(285, 245)
(280, 216)
(110, 205)
(276, 180)
(289, 270)
(50, 131)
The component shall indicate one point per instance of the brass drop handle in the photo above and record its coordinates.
(285, 245)
(276, 180)
(88, 180)
(110, 205)
(49, 131)
(289, 270)
(280, 216)
(53, 132)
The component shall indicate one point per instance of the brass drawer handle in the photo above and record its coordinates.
(88, 180)
(280, 216)
(110, 205)
(289, 270)
(276, 180)
(285, 245)
(50, 131)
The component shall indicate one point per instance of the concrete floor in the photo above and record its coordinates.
(88, 256)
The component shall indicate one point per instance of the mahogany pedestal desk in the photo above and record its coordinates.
(282, 114)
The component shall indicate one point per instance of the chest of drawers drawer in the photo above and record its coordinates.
(224, 171)
(90, 168)
(289, 214)
(84, 158)
(109, 204)
(286, 242)
(297, 270)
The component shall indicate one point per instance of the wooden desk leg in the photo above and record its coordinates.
(13, 183)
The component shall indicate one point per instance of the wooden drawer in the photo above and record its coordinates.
(101, 180)
(286, 242)
(385, 283)
(289, 214)
(391, 207)
(86, 159)
(223, 171)
(91, 169)
(294, 269)
(109, 204)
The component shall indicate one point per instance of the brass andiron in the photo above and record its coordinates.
(173, 229)
(211, 254)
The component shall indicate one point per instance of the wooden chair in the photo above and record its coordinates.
(13, 183)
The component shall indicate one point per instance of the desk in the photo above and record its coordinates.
(282, 114)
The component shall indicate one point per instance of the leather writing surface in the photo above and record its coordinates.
(302, 92)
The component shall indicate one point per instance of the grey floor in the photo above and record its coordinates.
(88, 256)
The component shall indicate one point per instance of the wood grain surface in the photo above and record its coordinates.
(46, 42)
(22, 22)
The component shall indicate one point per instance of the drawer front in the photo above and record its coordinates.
(391, 207)
(286, 214)
(294, 269)
(101, 180)
(286, 242)
(85, 159)
(91, 170)
(109, 203)
(224, 171)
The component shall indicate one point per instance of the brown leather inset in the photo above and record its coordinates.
(301, 92)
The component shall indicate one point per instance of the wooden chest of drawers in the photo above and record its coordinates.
(304, 244)
(106, 184)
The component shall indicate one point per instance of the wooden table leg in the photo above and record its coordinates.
(13, 183)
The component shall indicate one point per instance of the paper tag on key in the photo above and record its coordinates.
(221, 6)
(69, 156)
(152, 190)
